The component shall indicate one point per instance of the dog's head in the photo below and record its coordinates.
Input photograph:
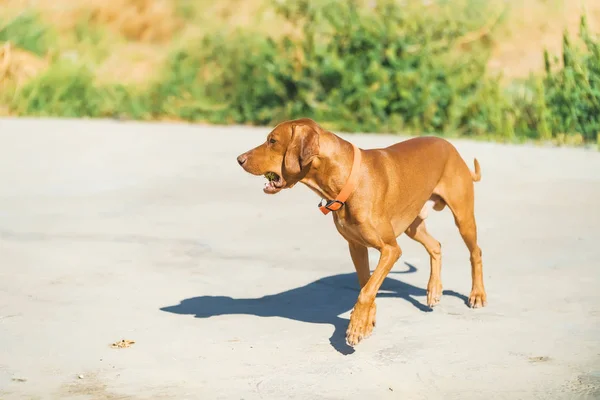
(286, 155)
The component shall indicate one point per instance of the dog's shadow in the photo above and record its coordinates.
(319, 302)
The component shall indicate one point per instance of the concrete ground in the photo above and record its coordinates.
(153, 233)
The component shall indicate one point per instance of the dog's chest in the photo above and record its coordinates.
(347, 227)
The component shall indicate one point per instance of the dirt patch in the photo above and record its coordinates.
(139, 20)
(585, 386)
(533, 25)
(92, 387)
(18, 66)
(539, 359)
(132, 63)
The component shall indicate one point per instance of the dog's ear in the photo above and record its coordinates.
(303, 148)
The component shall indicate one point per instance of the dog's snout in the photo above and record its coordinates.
(242, 159)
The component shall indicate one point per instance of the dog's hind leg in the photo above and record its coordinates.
(457, 191)
(418, 232)
(465, 221)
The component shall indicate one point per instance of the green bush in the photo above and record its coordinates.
(28, 32)
(564, 102)
(63, 90)
(355, 69)
(572, 93)
(69, 90)
(352, 68)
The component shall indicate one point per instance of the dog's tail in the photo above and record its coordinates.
(477, 174)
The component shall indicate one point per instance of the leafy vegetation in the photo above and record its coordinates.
(385, 68)
(28, 32)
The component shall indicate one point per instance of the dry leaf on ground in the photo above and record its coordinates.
(122, 344)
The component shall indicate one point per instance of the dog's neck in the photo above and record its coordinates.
(331, 168)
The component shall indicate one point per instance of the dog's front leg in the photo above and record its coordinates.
(362, 318)
(360, 258)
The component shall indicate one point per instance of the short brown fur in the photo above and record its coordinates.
(395, 183)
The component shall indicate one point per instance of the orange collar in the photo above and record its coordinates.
(333, 205)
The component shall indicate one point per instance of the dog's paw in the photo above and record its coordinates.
(362, 322)
(434, 294)
(477, 298)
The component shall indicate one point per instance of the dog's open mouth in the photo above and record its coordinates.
(274, 183)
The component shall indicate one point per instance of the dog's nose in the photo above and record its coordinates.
(241, 159)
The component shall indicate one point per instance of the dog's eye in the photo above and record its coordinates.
(272, 141)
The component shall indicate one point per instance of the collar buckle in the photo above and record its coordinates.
(333, 205)
(330, 205)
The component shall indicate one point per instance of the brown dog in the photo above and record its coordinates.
(387, 195)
